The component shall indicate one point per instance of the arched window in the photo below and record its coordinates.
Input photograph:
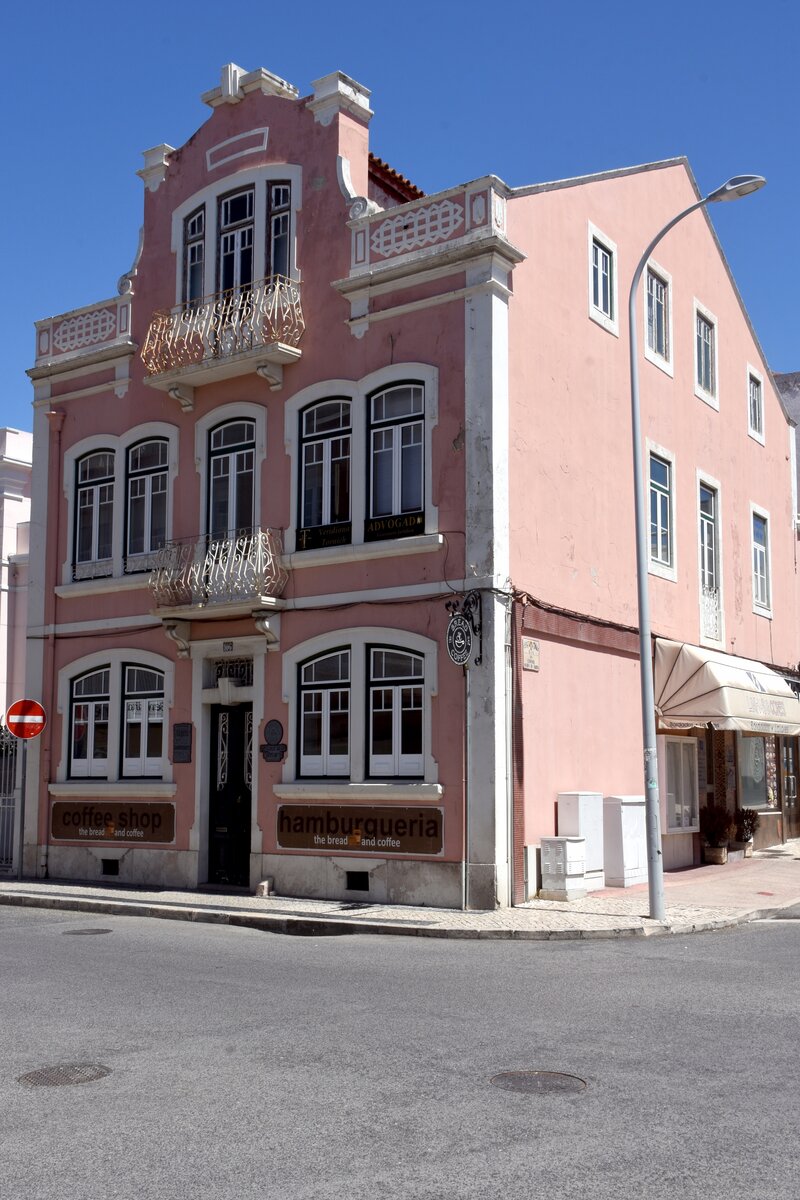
(395, 712)
(89, 725)
(325, 474)
(396, 506)
(325, 715)
(147, 503)
(231, 453)
(94, 515)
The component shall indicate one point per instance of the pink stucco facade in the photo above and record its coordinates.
(320, 407)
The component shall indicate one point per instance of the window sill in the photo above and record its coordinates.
(333, 555)
(762, 610)
(707, 397)
(687, 829)
(99, 587)
(662, 571)
(663, 364)
(135, 789)
(348, 793)
(604, 321)
(757, 437)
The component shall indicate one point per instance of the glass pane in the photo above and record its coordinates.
(96, 466)
(95, 684)
(148, 456)
(328, 417)
(395, 403)
(312, 724)
(312, 485)
(158, 512)
(340, 480)
(155, 734)
(141, 681)
(105, 515)
(339, 733)
(234, 433)
(382, 721)
(411, 468)
(244, 490)
(382, 464)
(85, 549)
(411, 721)
(136, 514)
(395, 664)
(133, 739)
(333, 668)
(752, 772)
(100, 731)
(80, 718)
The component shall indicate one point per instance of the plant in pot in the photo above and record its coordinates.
(746, 822)
(716, 827)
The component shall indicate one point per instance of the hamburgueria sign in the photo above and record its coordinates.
(369, 830)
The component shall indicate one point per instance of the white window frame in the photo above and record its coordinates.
(324, 765)
(656, 567)
(664, 364)
(95, 566)
(223, 415)
(699, 311)
(706, 480)
(115, 660)
(755, 376)
(383, 766)
(761, 607)
(144, 560)
(358, 392)
(119, 445)
(359, 640)
(259, 178)
(608, 321)
(151, 711)
(689, 749)
(98, 710)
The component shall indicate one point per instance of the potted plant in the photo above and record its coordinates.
(716, 827)
(746, 822)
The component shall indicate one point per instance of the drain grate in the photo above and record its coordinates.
(79, 932)
(69, 1073)
(538, 1082)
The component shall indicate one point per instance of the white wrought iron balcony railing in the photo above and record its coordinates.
(711, 613)
(264, 314)
(242, 565)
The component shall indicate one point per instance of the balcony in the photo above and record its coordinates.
(229, 575)
(237, 332)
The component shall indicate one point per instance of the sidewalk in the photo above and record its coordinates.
(697, 899)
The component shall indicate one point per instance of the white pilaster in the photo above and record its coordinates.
(488, 560)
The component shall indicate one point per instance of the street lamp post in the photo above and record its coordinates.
(739, 185)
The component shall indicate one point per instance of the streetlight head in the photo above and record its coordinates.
(739, 185)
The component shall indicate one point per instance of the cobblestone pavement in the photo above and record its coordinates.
(697, 899)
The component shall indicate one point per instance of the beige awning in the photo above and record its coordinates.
(696, 687)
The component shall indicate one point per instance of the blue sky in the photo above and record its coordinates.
(529, 91)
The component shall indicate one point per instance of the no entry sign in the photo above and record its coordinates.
(25, 718)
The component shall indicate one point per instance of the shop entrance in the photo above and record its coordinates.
(791, 808)
(231, 767)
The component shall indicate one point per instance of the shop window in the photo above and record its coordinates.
(89, 724)
(757, 777)
(682, 803)
(325, 715)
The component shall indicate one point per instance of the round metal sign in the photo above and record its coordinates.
(25, 718)
(459, 639)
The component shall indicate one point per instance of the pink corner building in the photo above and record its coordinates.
(333, 577)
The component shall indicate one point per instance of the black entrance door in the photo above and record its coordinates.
(231, 761)
(791, 807)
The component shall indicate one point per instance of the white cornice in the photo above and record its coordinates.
(335, 93)
(236, 83)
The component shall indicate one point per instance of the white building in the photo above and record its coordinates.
(16, 449)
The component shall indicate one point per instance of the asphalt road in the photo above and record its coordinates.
(248, 1065)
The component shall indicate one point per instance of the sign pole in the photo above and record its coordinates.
(21, 809)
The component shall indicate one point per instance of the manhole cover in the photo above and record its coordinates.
(78, 932)
(538, 1082)
(69, 1073)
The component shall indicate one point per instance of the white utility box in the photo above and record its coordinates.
(625, 840)
(580, 814)
(563, 868)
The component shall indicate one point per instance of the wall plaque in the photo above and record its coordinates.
(182, 742)
(377, 831)
(112, 821)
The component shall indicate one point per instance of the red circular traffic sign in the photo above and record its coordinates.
(26, 718)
